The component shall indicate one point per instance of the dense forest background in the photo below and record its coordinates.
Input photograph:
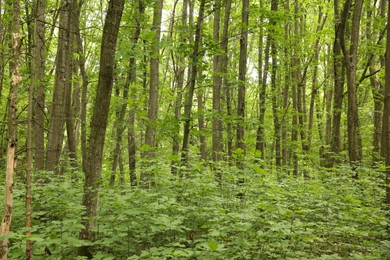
(195, 129)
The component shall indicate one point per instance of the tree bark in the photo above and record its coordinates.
(12, 133)
(62, 81)
(38, 81)
(69, 107)
(217, 83)
(223, 60)
(385, 149)
(339, 74)
(354, 139)
(179, 79)
(191, 87)
(99, 123)
(262, 74)
(201, 121)
(241, 100)
(130, 83)
(275, 110)
(377, 86)
(150, 133)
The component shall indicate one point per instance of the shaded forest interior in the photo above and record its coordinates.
(195, 129)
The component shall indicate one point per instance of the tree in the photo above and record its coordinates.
(351, 58)
(179, 80)
(242, 75)
(217, 83)
(38, 82)
(150, 133)
(12, 133)
(129, 84)
(339, 77)
(385, 152)
(191, 87)
(62, 82)
(93, 165)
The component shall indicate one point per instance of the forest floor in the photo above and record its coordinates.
(325, 215)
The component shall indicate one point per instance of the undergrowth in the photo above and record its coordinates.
(326, 215)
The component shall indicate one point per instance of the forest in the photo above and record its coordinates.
(195, 129)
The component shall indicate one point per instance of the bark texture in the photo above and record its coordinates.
(93, 165)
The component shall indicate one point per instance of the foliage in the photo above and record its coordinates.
(328, 216)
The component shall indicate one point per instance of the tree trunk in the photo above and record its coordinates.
(179, 79)
(38, 83)
(386, 114)
(83, 107)
(376, 86)
(12, 133)
(275, 110)
(130, 83)
(62, 82)
(191, 87)
(201, 121)
(99, 123)
(217, 83)
(150, 133)
(314, 91)
(2, 63)
(223, 60)
(354, 139)
(242, 77)
(262, 74)
(339, 72)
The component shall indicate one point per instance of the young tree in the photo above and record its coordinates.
(191, 87)
(217, 83)
(150, 133)
(274, 68)
(38, 82)
(355, 150)
(62, 82)
(12, 133)
(386, 113)
(242, 75)
(129, 84)
(93, 164)
(339, 77)
(179, 80)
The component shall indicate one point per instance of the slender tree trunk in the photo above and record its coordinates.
(262, 74)
(130, 82)
(29, 169)
(223, 60)
(286, 145)
(354, 139)
(132, 77)
(242, 77)
(179, 75)
(69, 111)
(201, 121)
(385, 152)
(99, 123)
(62, 82)
(277, 132)
(339, 72)
(376, 87)
(191, 87)
(314, 91)
(83, 108)
(38, 82)
(2, 63)
(217, 84)
(12, 133)
(150, 133)
(328, 100)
